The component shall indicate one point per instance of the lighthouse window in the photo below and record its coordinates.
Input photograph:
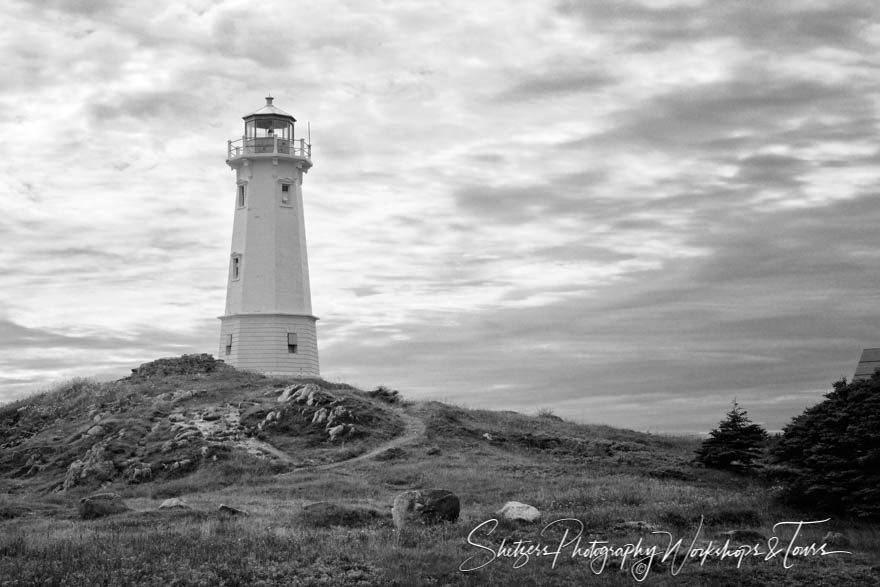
(228, 344)
(236, 266)
(291, 342)
(285, 193)
(240, 200)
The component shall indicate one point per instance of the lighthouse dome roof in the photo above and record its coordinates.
(269, 109)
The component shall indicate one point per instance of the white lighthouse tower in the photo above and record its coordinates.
(268, 325)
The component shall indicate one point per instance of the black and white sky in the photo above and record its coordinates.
(630, 212)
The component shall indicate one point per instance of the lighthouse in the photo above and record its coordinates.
(268, 324)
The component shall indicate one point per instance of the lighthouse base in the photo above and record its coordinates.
(272, 344)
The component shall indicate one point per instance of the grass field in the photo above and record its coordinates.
(312, 525)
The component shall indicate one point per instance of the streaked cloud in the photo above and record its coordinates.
(630, 212)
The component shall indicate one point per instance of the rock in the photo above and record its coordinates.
(97, 430)
(288, 393)
(188, 433)
(95, 466)
(433, 450)
(336, 431)
(337, 413)
(514, 510)
(320, 416)
(182, 464)
(211, 415)
(174, 503)
(487, 436)
(176, 417)
(231, 511)
(305, 392)
(138, 472)
(167, 446)
(836, 539)
(101, 504)
(428, 507)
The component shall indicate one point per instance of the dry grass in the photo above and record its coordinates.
(333, 527)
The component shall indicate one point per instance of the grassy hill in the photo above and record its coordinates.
(318, 501)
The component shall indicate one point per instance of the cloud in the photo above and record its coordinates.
(632, 210)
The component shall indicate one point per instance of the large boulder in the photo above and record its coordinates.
(101, 504)
(428, 507)
(523, 512)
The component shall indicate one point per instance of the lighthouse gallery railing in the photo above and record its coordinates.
(269, 146)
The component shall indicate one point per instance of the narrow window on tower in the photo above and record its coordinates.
(285, 194)
(291, 342)
(228, 344)
(236, 266)
(240, 198)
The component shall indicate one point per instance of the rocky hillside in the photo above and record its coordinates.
(172, 417)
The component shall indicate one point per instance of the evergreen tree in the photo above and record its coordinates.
(833, 449)
(735, 444)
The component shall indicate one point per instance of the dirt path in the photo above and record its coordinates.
(414, 429)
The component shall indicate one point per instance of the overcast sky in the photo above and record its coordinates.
(628, 212)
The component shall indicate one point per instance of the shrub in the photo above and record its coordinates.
(833, 450)
(735, 444)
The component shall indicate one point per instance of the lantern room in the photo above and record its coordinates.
(269, 121)
(269, 130)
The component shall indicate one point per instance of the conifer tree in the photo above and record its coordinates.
(735, 444)
(833, 449)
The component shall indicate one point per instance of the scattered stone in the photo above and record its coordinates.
(428, 507)
(336, 431)
(231, 511)
(515, 510)
(433, 450)
(101, 504)
(167, 446)
(176, 417)
(175, 503)
(487, 436)
(95, 431)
